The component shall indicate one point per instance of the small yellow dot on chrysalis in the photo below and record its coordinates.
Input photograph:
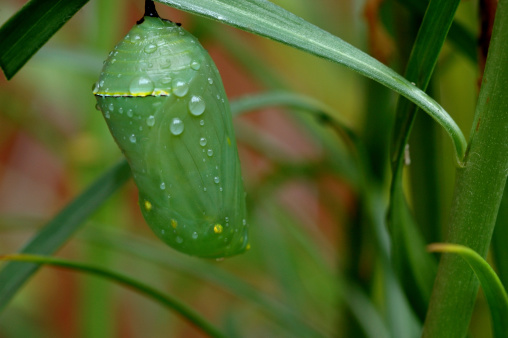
(148, 206)
(229, 140)
(247, 247)
(174, 223)
(217, 228)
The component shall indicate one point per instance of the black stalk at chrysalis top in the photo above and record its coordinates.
(149, 11)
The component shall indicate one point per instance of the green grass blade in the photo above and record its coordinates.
(415, 267)
(266, 19)
(492, 287)
(464, 40)
(124, 280)
(30, 28)
(478, 192)
(61, 228)
(423, 59)
(499, 237)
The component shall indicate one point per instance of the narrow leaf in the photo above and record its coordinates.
(30, 28)
(490, 282)
(60, 229)
(166, 300)
(414, 266)
(269, 20)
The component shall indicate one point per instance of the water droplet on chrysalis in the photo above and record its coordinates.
(132, 138)
(209, 152)
(202, 141)
(180, 87)
(176, 126)
(150, 48)
(195, 65)
(150, 121)
(163, 186)
(196, 105)
(141, 85)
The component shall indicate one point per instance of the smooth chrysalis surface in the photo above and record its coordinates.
(163, 100)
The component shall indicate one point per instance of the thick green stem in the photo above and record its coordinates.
(478, 191)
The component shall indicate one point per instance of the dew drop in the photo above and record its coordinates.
(202, 122)
(209, 152)
(97, 107)
(210, 80)
(141, 85)
(129, 113)
(180, 87)
(163, 186)
(135, 38)
(194, 235)
(176, 126)
(179, 239)
(220, 189)
(202, 142)
(196, 105)
(120, 110)
(150, 48)
(132, 138)
(216, 179)
(244, 221)
(195, 65)
(204, 189)
(111, 107)
(150, 121)
(106, 114)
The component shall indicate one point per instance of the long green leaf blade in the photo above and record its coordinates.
(30, 28)
(140, 287)
(490, 282)
(269, 20)
(60, 228)
(415, 267)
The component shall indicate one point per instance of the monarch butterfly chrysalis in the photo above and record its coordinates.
(163, 100)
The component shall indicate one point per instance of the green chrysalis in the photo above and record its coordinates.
(163, 100)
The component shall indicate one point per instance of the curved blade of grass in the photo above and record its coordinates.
(30, 28)
(297, 101)
(60, 229)
(415, 267)
(269, 20)
(317, 109)
(166, 300)
(493, 289)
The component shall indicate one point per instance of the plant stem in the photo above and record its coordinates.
(478, 191)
